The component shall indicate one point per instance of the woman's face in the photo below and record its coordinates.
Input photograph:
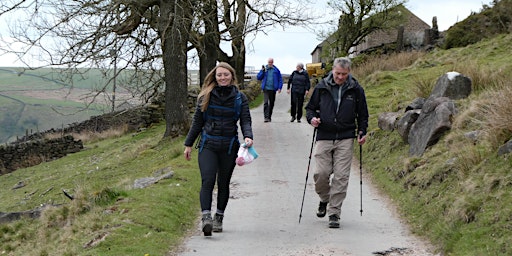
(223, 76)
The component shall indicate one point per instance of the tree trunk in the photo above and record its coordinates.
(210, 42)
(238, 59)
(174, 29)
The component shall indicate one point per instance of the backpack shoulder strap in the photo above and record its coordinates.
(238, 105)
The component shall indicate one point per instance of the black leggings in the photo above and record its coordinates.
(216, 165)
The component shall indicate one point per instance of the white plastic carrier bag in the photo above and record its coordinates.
(246, 155)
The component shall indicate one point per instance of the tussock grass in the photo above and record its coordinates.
(495, 115)
(392, 62)
(89, 137)
(423, 86)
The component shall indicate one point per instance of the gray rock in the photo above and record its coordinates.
(434, 120)
(452, 85)
(387, 120)
(506, 148)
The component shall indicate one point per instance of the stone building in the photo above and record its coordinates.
(413, 33)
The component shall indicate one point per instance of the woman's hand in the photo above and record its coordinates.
(248, 142)
(187, 152)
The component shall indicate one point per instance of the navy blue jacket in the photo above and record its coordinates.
(345, 121)
(220, 124)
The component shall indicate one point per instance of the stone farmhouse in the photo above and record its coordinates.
(413, 33)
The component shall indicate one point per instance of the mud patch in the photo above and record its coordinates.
(235, 193)
(317, 252)
(394, 251)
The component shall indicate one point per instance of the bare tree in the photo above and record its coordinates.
(231, 21)
(360, 18)
(145, 35)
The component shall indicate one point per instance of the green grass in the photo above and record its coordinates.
(151, 220)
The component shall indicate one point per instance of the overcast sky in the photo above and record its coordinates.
(295, 44)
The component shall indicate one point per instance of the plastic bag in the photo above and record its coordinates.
(246, 155)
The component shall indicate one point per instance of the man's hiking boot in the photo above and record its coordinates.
(322, 209)
(334, 221)
(217, 222)
(293, 119)
(207, 224)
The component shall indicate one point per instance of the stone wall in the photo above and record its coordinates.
(22, 155)
(36, 148)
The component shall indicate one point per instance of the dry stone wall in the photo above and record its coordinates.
(21, 155)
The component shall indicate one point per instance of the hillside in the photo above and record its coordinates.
(38, 100)
(457, 194)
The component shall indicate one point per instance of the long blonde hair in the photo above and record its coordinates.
(210, 82)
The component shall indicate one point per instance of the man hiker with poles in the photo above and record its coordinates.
(338, 111)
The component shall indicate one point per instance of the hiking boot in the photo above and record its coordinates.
(322, 209)
(217, 222)
(267, 120)
(298, 120)
(334, 221)
(207, 224)
(293, 119)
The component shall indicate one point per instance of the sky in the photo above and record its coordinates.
(295, 44)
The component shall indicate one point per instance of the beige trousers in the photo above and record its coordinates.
(333, 157)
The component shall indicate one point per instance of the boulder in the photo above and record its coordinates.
(403, 126)
(506, 148)
(452, 85)
(387, 120)
(415, 104)
(434, 119)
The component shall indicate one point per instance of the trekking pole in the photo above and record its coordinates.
(307, 174)
(361, 173)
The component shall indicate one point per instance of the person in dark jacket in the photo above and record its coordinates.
(338, 111)
(220, 106)
(271, 82)
(300, 84)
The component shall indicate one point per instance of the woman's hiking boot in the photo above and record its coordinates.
(207, 224)
(334, 221)
(322, 209)
(217, 222)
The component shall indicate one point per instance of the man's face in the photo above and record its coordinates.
(340, 74)
(270, 63)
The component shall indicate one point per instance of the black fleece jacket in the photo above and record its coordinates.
(345, 121)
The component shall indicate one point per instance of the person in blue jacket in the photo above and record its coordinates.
(271, 82)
